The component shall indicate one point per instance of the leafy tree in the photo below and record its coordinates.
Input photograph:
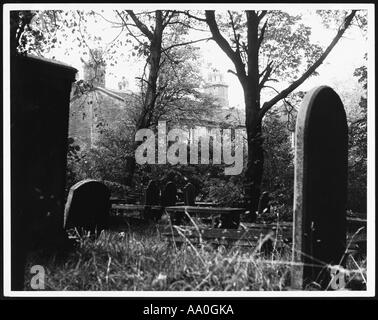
(157, 34)
(265, 47)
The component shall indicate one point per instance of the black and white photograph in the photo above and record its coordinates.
(189, 150)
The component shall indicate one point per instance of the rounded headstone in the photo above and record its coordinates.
(152, 197)
(169, 195)
(189, 194)
(88, 206)
(152, 194)
(320, 187)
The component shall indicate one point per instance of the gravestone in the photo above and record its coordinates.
(152, 197)
(320, 188)
(169, 198)
(169, 195)
(230, 221)
(264, 203)
(39, 111)
(152, 194)
(189, 195)
(88, 206)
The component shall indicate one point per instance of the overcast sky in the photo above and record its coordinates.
(337, 68)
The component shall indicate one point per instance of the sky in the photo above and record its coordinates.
(337, 68)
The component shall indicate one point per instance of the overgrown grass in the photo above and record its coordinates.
(141, 259)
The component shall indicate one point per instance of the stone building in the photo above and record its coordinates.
(95, 107)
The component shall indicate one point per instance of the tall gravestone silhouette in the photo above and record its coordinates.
(320, 190)
(169, 198)
(152, 194)
(40, 100)
(264, 205)
(88, 206)
(189, 194)
(152, 198)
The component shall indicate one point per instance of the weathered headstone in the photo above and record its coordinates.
(189, 194)
(169, 195)
(230, 221)
(152, 194)
(169, 198)
(320, 188)
(264, 203)
(152, 197)
(88, 206)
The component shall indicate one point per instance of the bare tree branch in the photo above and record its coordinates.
(191, 16)
(262, 33)
(284, 93)
(233, 72)
(225, 46)
(236, 37)
(267, 73)
(184, 44)
(107, 20)
(262, 14)
(142, 27)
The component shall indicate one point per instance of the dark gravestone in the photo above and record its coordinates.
(320, 190)
(189, 194)
(169, 198)
(152, 194)
(230, 221)
(87, 206)
(151, 198)
(40, 99)
(169, 195)
(264, 203)
(250, 189)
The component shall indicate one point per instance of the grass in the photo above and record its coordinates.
(141, 259)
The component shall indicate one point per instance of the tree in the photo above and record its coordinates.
(150, 43)
(265, 46)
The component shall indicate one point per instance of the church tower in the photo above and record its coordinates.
(217, 87)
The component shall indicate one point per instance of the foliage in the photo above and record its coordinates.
(332, 19)
(357, 168)
(279, 160)
(226, 192)
(19, 28)
(107, 160)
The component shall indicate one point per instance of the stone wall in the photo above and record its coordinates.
(94, 112)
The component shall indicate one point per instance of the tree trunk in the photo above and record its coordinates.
(146, 116)
(255, 163)
(254, 170)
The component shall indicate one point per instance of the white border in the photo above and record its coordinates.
(370, 292)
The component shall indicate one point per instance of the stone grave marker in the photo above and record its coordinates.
(169, 198)
(169, 194)
(320, 188)
(189, 194)
(152, 194)
(152, 198)
(88, 206)
(264, 203)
